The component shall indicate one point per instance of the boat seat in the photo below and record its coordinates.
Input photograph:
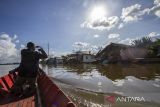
(12, 78)
(7, 81)
(2, 85)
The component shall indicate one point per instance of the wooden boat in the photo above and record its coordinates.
(47, 94)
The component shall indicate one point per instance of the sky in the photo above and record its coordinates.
(70, 25)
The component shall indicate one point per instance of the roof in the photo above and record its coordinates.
(110, 45)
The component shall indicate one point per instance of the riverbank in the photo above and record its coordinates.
(10, 63)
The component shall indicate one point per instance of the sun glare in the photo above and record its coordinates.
(97, 13)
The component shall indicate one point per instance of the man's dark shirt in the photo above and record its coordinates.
(29, 65)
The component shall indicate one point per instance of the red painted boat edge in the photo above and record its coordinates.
(50, 93)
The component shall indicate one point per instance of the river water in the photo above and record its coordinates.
(102, 85)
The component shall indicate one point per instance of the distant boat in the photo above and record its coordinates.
(47, 94)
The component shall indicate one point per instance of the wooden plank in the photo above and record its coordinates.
(15, 104)
(33, 102)
(8, 101)
(29, 104)
(10, 105)
(24, 104)
(30, 100)
(20, 103)
(6, 105)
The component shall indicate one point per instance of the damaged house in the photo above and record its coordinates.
(115, 52)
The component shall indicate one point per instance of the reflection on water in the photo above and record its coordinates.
(88, 85)
(117, 71)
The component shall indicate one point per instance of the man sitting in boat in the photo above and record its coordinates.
(29, 67)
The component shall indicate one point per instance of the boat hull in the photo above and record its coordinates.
(48, 94)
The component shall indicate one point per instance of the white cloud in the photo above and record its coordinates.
(155, 10)
(135, 13)
(5, 37)
(121, 25)
(94, 48)
(129, 14)
(83, 46)
(17, 41)
(96, 36)
(22, 46)
(8, 51)
(157, 13)
(126, 41)
(132, 13)
(80, 44)
(153, 34)
(156, 2)
(85, 3)
(102, 23)
(112, 36)
(15, 37)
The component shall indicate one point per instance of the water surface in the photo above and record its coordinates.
(88, 85)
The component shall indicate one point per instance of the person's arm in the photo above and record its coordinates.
(14, 70)
(43, 54)
(40, 72)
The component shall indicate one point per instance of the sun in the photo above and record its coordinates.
(97, 13)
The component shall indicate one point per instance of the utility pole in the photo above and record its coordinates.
(48, 49)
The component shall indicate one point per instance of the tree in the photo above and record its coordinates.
(143, 42)
(154, 49)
